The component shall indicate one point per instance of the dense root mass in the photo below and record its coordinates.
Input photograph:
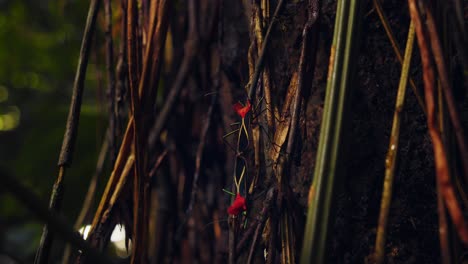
(208, 97)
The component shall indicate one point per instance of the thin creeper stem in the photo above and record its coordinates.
(390, 161)
(71, 131)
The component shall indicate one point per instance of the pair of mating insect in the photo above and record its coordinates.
(239, 204)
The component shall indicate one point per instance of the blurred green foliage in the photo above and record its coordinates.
(39, 47)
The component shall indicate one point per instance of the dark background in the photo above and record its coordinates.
(39, 45)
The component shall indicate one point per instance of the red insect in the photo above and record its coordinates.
(238, 206)
(242, 110)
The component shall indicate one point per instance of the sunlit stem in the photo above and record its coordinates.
(244, 128)
(236, 182)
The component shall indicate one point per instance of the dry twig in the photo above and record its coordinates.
(441, 163)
